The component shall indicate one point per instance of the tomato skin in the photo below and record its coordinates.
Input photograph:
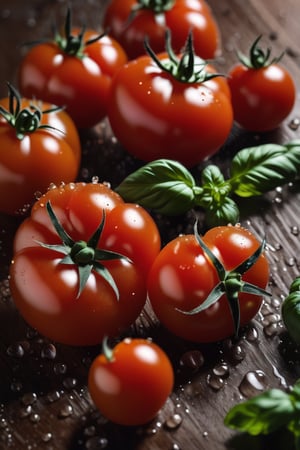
(45, 291)
(261, 98)
(30, 164)
(132, 387)
(180, 19)
(182, 278)
(155, 116)
(79, 84)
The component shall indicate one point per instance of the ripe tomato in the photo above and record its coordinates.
(160, 108)
(73, 71)
(132, 385)
(183, 276)
(78, 292)
(129, 21)
(36, 149)
(263, 93)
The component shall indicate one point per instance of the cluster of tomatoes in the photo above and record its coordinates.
(84, 260)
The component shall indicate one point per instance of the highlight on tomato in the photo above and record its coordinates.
(80, 263)
(74, 70)
(169, 106)
(130, 383)
(203, 289)
(263, 91)
(129, 21)
(39, 145)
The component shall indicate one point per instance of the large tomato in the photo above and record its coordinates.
(74, 71)
(129, 21)
(131, 383)
(167, 107)
(184, 275)
(263, 91)
(94, 284)
(39, 145)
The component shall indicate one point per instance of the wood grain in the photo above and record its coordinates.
(44, 402)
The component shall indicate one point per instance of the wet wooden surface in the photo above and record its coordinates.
(44, 403)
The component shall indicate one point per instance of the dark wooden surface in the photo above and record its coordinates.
(44, 403)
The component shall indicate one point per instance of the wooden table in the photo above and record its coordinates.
(44, 403)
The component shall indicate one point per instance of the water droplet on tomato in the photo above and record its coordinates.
(253, 383)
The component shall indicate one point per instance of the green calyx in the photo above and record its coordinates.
(230, 282)
(85, 255)
(258, 58)
(26, 120)
(157, 6)
(185, 68)
(71, 44)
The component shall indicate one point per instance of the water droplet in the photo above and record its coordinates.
(48, 352)
(252, 334)
(215, 382)
(295, 230)
(29, 399)
(53, 396)
(96, 442)
(15, 350)
(291, 262)
(175, 447)
(66, 411)
(294, 124)
(60, 369)
(16, 386)
(253, 383)
(192, 359)
(237, 353)
(46, 437)
(35, 418)
(221, 370)
(173, 421)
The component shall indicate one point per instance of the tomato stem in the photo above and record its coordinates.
(185, 68)
(72, 44)
(26, 120)
(258, 58)
(157, 6)
(230, 282)
(84, 254)
(107, 350)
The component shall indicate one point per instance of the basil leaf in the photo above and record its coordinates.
(256, 170)
(262, 414)
(163, 185)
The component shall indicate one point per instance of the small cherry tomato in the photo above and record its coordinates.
(74, 71)
(73, 277)
(39, 145)
(170, 107)
(131, 385)
(262, 90)
(129, 21)
(203, 290)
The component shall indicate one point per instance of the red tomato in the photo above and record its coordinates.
(183, 276)
(263, 95)
(32, 158)
(180, 16)
(132, 386)
(154, 114)
(47, 292)
(78, 80)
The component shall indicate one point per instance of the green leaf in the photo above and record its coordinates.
(223, 213)
(162, 185)
(262, 414)
(256, 170)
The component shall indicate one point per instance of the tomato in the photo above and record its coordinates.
(38, 145)
(183, 275)
(73, 71)
(129, 21)
(158, 111)
(132, 385)
(263, 93)
(90, 286)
